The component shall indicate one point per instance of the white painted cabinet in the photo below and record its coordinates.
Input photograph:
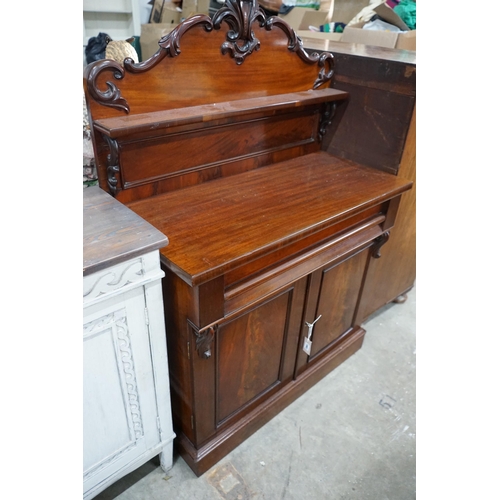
(126, 399)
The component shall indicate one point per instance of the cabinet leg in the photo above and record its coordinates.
(401, 299)
(166, 457)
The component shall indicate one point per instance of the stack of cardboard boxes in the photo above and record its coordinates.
(301, 19)
(167, 14)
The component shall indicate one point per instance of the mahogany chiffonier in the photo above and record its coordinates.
(218, 140)
(127, 417)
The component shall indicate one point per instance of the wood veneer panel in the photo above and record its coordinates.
(249, 354)
(338, 297)
(163, 157)
(395, 272)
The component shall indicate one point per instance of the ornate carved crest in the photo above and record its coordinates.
(240, 43)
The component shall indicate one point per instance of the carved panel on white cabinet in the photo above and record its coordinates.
(113, 279)
(110, 391)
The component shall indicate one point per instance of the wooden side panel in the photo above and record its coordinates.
(395, 272)
(375, 123)
(178, 297)
(373, 129)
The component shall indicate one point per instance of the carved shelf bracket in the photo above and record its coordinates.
(113, 164)
(239, 15)
(204, 340)
(378, 243)
(326, 118)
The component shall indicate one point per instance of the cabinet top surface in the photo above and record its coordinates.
(219, 225)
(112, 233)
(360, 50)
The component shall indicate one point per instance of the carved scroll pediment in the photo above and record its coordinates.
(241, 17)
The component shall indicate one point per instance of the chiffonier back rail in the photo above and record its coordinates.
(217, 141)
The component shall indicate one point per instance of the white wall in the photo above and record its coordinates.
(145, 10)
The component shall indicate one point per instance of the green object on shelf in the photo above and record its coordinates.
(407, 11)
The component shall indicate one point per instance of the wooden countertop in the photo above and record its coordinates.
(219, 225)
(112, 233)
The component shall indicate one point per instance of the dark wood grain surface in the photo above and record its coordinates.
(219, 225)
(112, 233)
(395, 274)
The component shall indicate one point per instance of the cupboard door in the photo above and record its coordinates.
(253, 356)
(333, 296)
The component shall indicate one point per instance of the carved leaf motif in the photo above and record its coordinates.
(204, 341)
(111, 281)
(113, 164)
(378, 243)
(240, 15)
(112, 96)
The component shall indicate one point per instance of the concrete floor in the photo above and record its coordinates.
(351, 436)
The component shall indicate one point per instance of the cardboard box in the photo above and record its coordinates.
(369, 37)
(300, 18)
(156, 11)
(319, 35)
(150, 36)
(388, 15)
(407, 40)
(192, 7)
(378, 38)
(170, 14)
(389, 39)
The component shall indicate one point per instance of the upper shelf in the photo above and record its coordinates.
(239, 110)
